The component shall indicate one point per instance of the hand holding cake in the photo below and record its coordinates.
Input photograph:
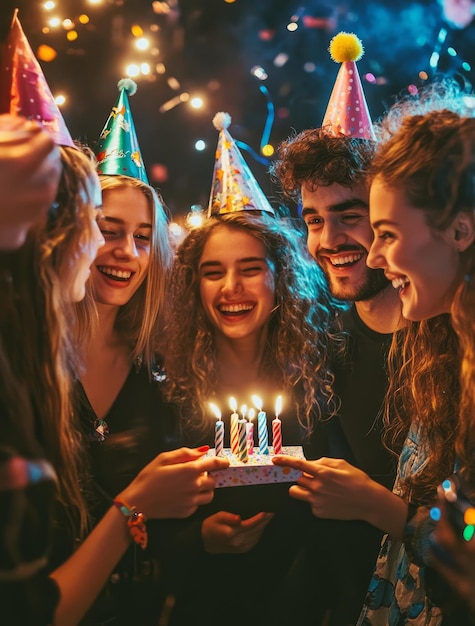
(333, 487)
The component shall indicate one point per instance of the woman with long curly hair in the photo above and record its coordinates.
(213, 353)
(249, 313)
(422, 213)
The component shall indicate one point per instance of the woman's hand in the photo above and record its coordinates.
(227, 533)
(30, 169)
(332, 487)
(174, 484)
(335, 489)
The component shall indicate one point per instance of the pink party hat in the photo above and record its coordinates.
(234, 187)
(23, 87)
(347, 112)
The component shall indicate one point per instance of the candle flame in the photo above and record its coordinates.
(233, 404)
(215, 410)
(278, 406)
(244, 410)
(258, 402)
(251, 415)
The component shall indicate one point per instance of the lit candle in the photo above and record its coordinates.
(218, 431)
(250, 431)
(234, 440)
(242, 440)
(261, 426)
(277, 427)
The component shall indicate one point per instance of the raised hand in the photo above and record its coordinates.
(30, 168)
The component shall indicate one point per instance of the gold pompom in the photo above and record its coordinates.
(345, 47)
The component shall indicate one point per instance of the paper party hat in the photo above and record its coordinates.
(234, 187)
(23, 87)
(347, 112)
(118, 150)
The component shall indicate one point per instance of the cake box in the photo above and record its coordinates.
(259, 470)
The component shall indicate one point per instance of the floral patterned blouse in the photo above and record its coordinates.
(397, 592)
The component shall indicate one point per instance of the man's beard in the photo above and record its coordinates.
(372, 283)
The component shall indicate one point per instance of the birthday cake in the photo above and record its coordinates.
(258, 470)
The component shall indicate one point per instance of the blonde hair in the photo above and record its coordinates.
(137, 321)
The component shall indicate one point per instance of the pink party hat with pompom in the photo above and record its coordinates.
(234, 187)
(23, 87)
(347, 112)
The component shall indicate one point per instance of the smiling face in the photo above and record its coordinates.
(339, 238)
(122, 264)
(237, 286)
(74, 269)
(422, 264)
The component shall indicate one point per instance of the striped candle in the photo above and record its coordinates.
(234, 439)
(262, 432)
(219, 438)
(242, 437)
(250, 431)
(218, 431)
(277, 428)
(261, 426)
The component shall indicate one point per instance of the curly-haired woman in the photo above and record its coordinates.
(249, 314)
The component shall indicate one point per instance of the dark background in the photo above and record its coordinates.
(209, 47)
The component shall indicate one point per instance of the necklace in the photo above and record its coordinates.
(100, 430)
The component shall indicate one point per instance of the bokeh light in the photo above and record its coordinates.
(196, 102)
(46, 53)
(142, 43)
(132, 70)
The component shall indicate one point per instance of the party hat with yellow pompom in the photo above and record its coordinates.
(347, 112)
(118, 150)
(234, 187)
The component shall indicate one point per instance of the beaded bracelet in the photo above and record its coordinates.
(135, 522)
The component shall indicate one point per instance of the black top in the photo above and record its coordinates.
(361, 380)
(141, 425)
(231, 588)
(332, 573)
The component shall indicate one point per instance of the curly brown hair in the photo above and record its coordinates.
(299, 333)
(318, 158)
(432, 158)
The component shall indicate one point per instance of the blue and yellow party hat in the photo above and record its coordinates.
(234, 187)
(118, 151)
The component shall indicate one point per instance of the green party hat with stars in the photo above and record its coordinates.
(118, 151)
